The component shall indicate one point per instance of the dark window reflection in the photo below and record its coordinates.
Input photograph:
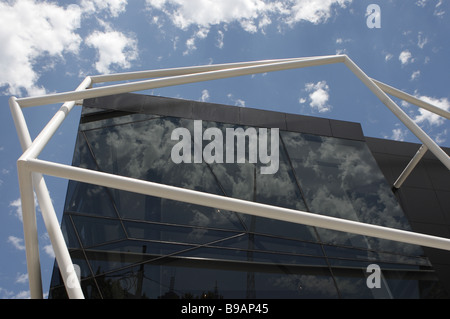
(135, 246)
(340, 178)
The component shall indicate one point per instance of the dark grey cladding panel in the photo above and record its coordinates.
(439, 175)
(406, 149)
(137, 103)
(120, 102)
(309, 125)
(324, 127)
(167, 106)
(422, 205)
(262, 118)
(425, 196)
(215, 112)
(348, 130)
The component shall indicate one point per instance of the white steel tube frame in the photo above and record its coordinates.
(30, 168)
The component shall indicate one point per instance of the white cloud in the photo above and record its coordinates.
(319, 96)
(421, 3)
(220, 37)
(190, 43)
(431, 118)
(49, 251)
(205, 13)
(16, 242)
(405, 57)
(205, 96)
(399, 134)
(115, 7)
(438, 11)
(415, 75)
(388, 57)
(441, 137)
(114, 49)
(422, 40)
(237, 102)
(17, 204)
(32, 29)
(253, 15)
(7, 294)
(315, 11)
(22, 278)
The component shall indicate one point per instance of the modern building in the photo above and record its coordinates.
(129, 245)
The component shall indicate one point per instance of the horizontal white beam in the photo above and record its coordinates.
(232, 204)
(127, 76)
(177, 80)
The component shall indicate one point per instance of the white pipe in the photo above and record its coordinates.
(401, 115)
(411, 99)
(28, 208)
(56, 236)
(126, 76)
(232, 204)
(176, 80)
(52, 225)
(20, 123)
(30, 233)
(34, 149)
(410, 167)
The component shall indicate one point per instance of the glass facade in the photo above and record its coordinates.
(134, 246)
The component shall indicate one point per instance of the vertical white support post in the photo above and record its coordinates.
(32, 150)
(28, 207)
(30, 233)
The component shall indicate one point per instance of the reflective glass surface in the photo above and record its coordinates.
(135, 246)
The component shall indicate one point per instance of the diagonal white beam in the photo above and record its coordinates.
(399, 113)
(412, 99)
(410, 167)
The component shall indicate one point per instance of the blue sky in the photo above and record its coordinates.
(50, 46)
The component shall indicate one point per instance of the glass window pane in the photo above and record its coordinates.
(340, 178)
(96, 231)
(147, 247)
